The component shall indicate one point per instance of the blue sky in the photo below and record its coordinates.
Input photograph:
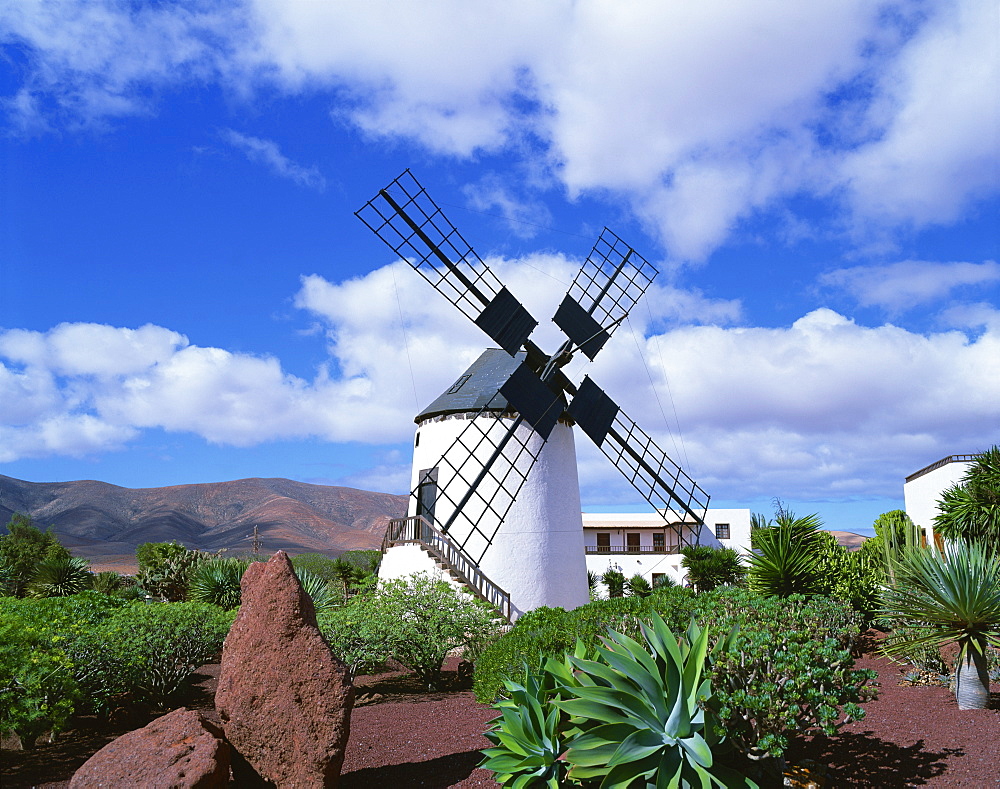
(186, 295)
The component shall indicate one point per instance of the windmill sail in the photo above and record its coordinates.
(661, 481)
(610, 282)
(408, 220)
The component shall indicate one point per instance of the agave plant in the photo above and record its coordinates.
(633, 715)
(954, 597)
(644, 713)
(60, 576)
(218, 582)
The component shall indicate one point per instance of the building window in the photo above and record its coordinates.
(604, 542)
(722, 531)
(632, 542)
(659, 541)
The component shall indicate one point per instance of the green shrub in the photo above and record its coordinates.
(106, 582)
(614, 582)
(709, 568)
(790, 669)
(157, 647)
(165, 568)
(21, 550)
(637, 586)
(416, 620)
(625, 713)
(318, 564)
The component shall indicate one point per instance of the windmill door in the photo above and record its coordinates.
(427, 490)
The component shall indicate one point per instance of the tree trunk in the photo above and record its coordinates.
(972, 683)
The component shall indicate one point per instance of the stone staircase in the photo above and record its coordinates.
(448, 556)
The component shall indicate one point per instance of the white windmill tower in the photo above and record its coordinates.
(495, 496)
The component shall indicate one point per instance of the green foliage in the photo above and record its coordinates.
(159, 646)
(165, 568)
(637, 586)
(107, 582)
(367, 562)
(633, 714)
(323, 594)
(39, 675)
(614, 580)
(60, 576)
(708, 567)
(416, 620)
(785, 560)
(319, 565)
(970, 510)
(21, 550)
(804, 642)
(217, 582)
(787, 670)
(952, 597)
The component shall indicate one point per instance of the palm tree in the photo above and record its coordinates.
(971, 509)
(708, 567)
(954, 597)
(61, 576)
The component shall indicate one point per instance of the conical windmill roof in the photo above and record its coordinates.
(476, 387)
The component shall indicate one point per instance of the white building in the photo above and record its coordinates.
(923, 489)
(643, 544)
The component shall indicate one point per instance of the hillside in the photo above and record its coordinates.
(105, 522)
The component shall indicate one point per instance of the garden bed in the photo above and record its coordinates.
(403, 736)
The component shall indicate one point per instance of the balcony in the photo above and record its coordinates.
(633, 549)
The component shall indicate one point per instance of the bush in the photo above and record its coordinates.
(625, 713)
(165, 568)
(21, 550)
(790, 668)
(217, 582)
(416, 620)
(708, 568)
(107, 582)
(155, 647)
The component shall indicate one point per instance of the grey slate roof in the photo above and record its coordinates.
(476, 386)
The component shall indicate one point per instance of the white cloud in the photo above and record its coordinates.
(696, 116)
(909, 283)
(935, 122)
(267, 153)
(822, 408)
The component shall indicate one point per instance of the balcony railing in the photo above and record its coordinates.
(417, 530)
(662, 549)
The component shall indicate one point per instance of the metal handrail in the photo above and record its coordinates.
(939, 463)
(666, 549)
(416, 529)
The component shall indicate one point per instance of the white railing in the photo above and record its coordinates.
(416, 529)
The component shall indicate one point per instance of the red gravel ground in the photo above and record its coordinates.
(402, 737)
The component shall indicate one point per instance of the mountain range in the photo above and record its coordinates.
(106, 523)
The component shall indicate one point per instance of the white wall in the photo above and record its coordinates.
(537, 555)
(922, 494)
(646, 524)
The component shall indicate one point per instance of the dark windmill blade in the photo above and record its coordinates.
(663, 483)
(408, 220)
(610, 282)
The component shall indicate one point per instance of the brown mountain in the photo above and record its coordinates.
(106, 523)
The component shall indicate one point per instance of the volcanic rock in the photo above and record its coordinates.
(285, 701)
(180, 749)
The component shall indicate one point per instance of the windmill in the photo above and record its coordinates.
(495, 495)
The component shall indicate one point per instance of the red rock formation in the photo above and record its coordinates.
(284, 699)
(181, 749)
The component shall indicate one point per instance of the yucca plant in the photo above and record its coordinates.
(60, 576)
(614, 581)
(637, 586)
(218, 582)
(323, 595)
(106, 582)
(953, 597)
(785, 559)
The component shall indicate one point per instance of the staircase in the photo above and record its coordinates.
(448, 556)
